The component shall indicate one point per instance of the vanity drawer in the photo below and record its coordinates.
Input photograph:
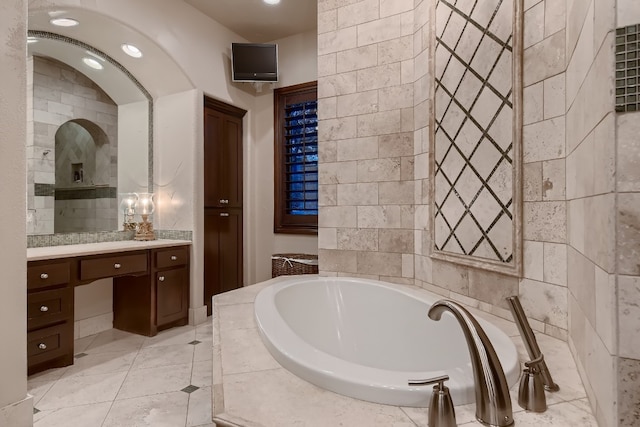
(49, 307)
(172, 257)
(113, 266)
(45, 275)
(49, 343)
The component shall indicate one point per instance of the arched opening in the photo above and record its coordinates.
(85, 178)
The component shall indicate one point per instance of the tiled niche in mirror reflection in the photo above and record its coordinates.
(474, 149)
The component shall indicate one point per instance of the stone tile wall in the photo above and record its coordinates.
(58, 93)
(590, 171)
(580, 181)
(366, 105)
(627, 218)
(543, 288)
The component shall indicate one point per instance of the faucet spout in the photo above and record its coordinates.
(493, 402)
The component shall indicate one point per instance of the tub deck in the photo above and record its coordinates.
(251, 389)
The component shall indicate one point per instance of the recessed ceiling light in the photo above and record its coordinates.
(31, 39)
(90, 62)
(64, 22)
(131, 50)
(271, 1)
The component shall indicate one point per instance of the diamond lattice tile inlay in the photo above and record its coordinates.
(473, 132)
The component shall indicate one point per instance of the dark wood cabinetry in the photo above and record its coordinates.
(49, 314)
(223, 198)
(223, 245)
(150, 293)
(171, 272)
(223, 156)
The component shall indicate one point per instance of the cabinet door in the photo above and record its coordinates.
(172, 290)
(222, 159)
(222, 251)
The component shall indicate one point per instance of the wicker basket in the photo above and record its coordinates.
(288, 264)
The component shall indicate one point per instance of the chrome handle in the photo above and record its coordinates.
(174, 258)
(224, 214)
(161, 278)
(117, 265)
(430, 381)
(44, 308)
(42, 346)
(224, 201)
(44, 276)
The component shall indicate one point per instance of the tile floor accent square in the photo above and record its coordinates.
(35, 410)
(190, 389)
(195, 342)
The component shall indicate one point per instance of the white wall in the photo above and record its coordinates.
(178, 175)
(297, 56)
(133, 145)
(16, 409)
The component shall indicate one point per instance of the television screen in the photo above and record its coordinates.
(254, 62)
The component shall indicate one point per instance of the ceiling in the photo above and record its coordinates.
(259, 22)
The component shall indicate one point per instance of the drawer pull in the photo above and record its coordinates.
(42, 346)
(174, 258)
(117, 265)
(44, 276)
(44, 308)
(161, 278)
(224, 214)
(224, 201)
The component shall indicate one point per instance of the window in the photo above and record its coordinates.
(296, 159)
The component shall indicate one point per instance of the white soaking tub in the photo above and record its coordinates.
(366, 339)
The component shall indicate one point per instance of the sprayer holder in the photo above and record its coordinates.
(531, 395)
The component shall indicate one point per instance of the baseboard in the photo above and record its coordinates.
(18, 414)
(198, 315)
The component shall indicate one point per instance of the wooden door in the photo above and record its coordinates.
(223, 250)
(223, 160)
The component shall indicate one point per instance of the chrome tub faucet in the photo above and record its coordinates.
(493, 402)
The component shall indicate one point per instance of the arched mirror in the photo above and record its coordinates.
(89, 137)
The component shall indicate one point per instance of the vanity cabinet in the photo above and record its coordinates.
(150, 293)
(171, 273)
(49, 314)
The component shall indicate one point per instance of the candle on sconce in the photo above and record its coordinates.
(145, 207)
(128, 209)
(145, 204)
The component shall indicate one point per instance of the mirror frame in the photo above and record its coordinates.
(57, 239)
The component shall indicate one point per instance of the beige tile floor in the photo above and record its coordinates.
(120, 379)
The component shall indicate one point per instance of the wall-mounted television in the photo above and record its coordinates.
(254, 62)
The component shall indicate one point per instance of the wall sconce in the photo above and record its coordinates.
(128, 206)
(145, 207)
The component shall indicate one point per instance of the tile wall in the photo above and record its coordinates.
(581, 207)
(590, 171)
(59, 94)
(627, 218)
(474, 149)
(366, 105)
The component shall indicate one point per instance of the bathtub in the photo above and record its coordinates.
(365, 339)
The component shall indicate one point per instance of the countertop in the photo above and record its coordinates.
(251, 389)
(63, 251)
